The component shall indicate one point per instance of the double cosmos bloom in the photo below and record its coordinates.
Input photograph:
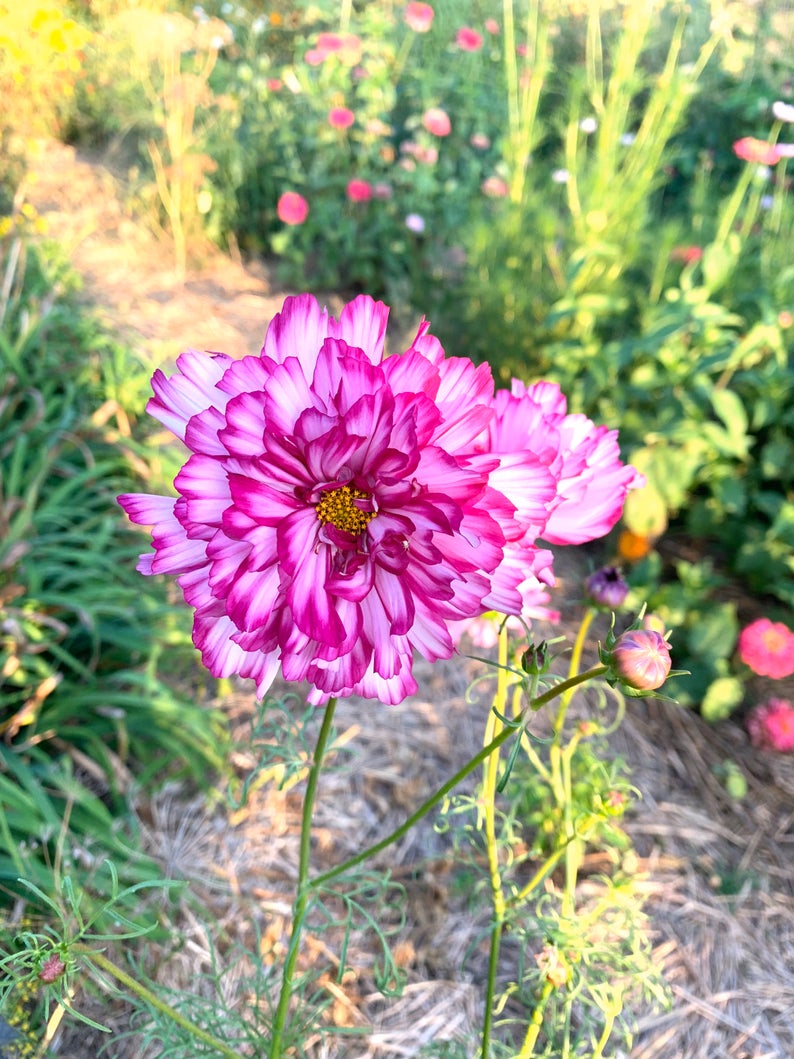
(341, 509)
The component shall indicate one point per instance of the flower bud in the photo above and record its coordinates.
(641, 659)
(771, 726)
(535, 660)
(606, 588)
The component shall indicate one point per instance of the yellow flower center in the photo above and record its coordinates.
(337, 506)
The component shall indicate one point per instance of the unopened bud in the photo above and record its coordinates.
(606, 588)
(641, 659)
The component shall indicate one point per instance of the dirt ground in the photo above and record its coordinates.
(717, 873)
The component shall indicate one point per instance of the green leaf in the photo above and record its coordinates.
(722, 698)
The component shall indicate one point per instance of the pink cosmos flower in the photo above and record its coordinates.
(436, 121)
(275, 84)
(328, 520)
(418, 17)
(468, 39)
(749, 149)
(341, 117)
(359, 190)
(767, 647)
(770, 726)
(491, 25)
(480, 141)
(292, 208)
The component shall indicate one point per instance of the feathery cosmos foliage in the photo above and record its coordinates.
(340, 508)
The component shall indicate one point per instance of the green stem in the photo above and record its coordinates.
(537, 1021)
(149, 997)
(304, 886)
(493, 727)
(461, 774)
(576, 660)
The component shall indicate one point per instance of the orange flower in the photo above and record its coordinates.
(752, 150)
(632, 546)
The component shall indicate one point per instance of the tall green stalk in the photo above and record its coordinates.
(304, 886)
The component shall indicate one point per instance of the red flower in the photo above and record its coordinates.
(767, 647)
(52, 969)
(468, 39)
(419, 17)
(752, 150)
(359, 190)
(771, 726)
(292, 208)
(688, 255)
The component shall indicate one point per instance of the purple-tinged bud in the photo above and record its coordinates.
(606, 588)
(52, 969)
(641, 659)
(535, 660)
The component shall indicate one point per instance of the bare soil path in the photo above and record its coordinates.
(718, 873)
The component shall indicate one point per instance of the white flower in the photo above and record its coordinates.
(628, 138)
(783, 111)
(414, 222)
(560, 176)
(588, 125)
(785, 150)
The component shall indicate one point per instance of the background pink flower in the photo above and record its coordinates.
(468, 39)
(359, 190)
(770, 726)
(749, 149)
(491, 25)
(494, 187)
(341, 117)
(419, 17)
(767, 647)
(436, 121)
(292, 208)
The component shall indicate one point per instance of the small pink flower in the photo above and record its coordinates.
(771, 726)
(315, 57)
(749, 149)
(641, 658)
(436, 121)
(480, 141)
(494, 187)
(785, 150)
(468, 39)
(341, 117)
(426, 155)
(767, 647)
(382, 190)
(359, 190)
(292, 208)
(785, 319)
(491, 25)
(418, 17)
(688, 255)
(52, 969)
(415, 222)
(275, 84)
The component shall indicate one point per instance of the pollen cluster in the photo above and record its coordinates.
(337, 506)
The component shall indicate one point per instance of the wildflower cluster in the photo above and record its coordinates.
(341, 509)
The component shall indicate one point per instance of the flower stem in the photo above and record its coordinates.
(493, 727)
(573, 671)
(154, 1001)
(537, 1021)
(304, 886)
(461, 774)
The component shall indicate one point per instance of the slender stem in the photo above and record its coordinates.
(493, 727)
(576, 660)
(537, 1021)
(304, 886)
(461, 774)
(423, 810)
(147, 995)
